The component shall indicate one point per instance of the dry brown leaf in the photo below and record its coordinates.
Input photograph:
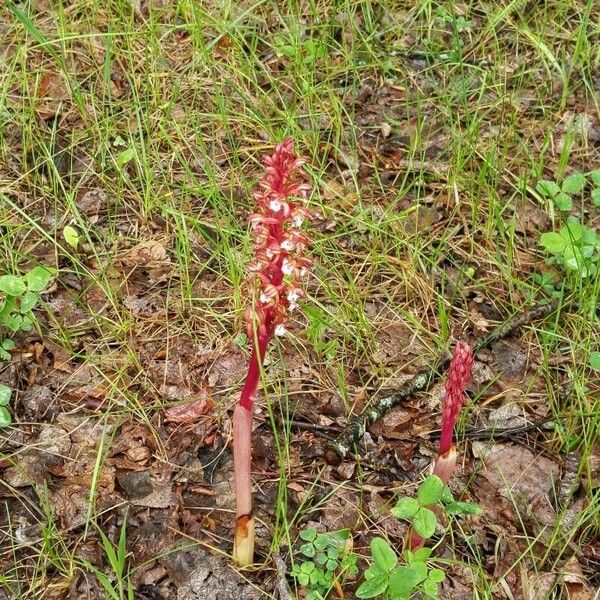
(395, 423)
(92, 202)
(190, 411)
(52, 91)
(574, 582)
(228, 369)
(66, 310)
(394, 342)
(150, 255)
(537, 586)
(70, 505)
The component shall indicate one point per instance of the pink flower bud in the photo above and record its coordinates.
(459, 374)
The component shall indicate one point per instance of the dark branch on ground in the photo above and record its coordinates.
(422, 381)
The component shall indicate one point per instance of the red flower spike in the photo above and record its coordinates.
(459, 375)
(279, 247)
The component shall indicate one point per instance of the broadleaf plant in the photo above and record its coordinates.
(394, 577)
(595, 194)
(575, 247)
(5, 395)
(561, 195)
(19, 294)
(399, 578)
(330, 558)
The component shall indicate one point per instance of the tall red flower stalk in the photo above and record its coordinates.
(459, 374)
(279, 264)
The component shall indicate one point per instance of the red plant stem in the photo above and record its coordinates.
(446, 437)
(415, 541)
(253, 375)
(259, 350)
(242, 459)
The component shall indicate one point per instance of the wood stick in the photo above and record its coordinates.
(422, 381)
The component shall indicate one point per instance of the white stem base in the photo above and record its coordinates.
(445, 464)
(243, 543)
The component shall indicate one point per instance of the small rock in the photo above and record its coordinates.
(136, 484)
(53, 440)
(482, 373)
(37, 401)
(138, 453)
(507, 415)
(511, 360)
(346, 470)
(92, 202)
(202, 577)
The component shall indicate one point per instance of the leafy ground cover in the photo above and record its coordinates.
(130, 143)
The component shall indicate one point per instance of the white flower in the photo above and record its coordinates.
(297, 221)
(280, 331)
(264, 299)
(287, 268)
(269, 253)
(275, 205)
(287, 245)
(293, 296)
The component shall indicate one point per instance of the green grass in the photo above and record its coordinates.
(168, 112)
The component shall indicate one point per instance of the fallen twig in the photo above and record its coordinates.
(495, 433)
(422, 381)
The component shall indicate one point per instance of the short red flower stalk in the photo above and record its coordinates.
(279, 264)
(459, 375)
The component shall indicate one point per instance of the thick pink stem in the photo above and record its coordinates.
(242, 459)
(242, 456)
(243, 547)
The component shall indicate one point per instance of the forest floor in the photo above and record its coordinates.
(131, 140)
